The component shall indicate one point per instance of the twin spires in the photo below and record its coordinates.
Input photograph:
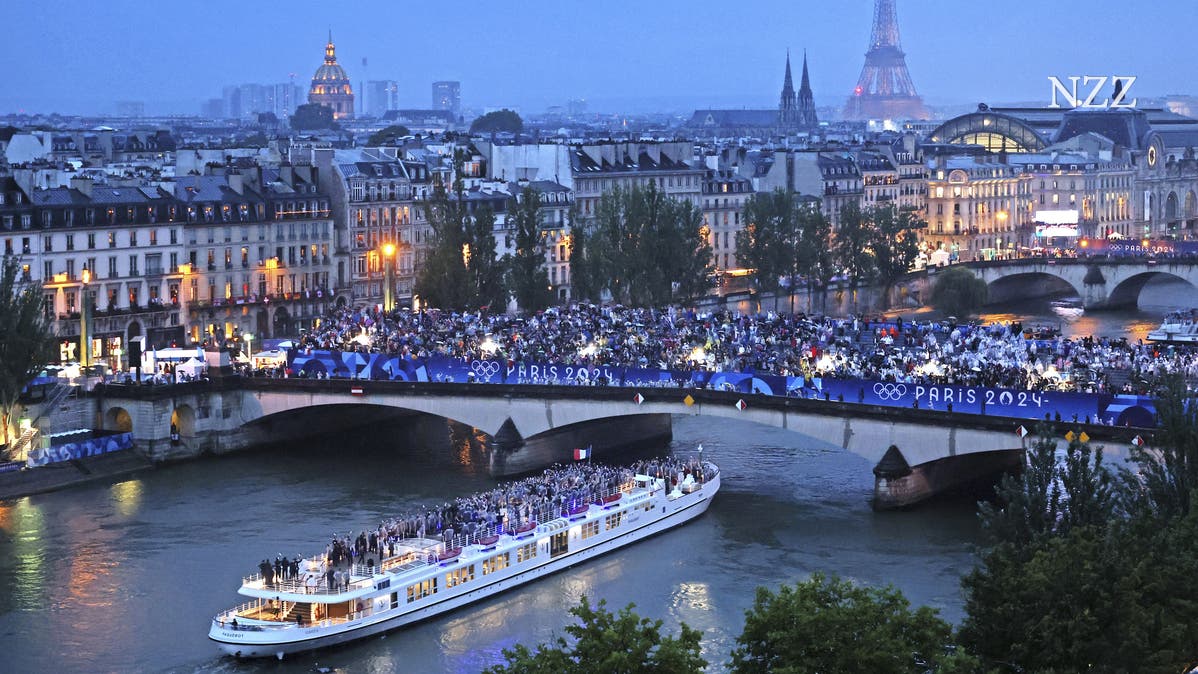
(797, 111)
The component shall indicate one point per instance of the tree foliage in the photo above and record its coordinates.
(853, 251)
(895, 242)
(769, 242)
(831, 625)
(313, 117)
(389, 135)
(1090, 570)
(645, 248)
(605, 643)
(958, 292)
(443, 280)
(485, 271)
(527, 279)
(26, 341)
(499, 121)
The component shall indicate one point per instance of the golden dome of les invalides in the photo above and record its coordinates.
(330, 85)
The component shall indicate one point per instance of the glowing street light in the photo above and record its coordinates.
(388, 276)
(85, 321)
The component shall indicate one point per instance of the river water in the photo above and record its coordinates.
(125, 576)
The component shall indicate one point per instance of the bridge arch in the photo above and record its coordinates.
(183, 421)
(1029, 284)
(1127, 292)
(118, 419)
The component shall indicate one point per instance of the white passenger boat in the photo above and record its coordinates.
(426, 577)
(1179, 327)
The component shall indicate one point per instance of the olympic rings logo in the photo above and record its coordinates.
(485, 368)
(887, 391)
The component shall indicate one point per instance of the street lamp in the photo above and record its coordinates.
(388, 276)
(85, 316)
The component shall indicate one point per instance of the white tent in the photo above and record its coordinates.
(939, 258)
(274, 358)
(192, 368)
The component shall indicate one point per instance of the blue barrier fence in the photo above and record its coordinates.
(80, 449)
(1110, 409)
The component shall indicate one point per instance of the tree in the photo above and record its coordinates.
(26, 341)
(817, 235)
(853, 247)
(486, 272)
(527, 279)
(766, 244)
(831, 626)
(313, 117)
(895, 243)
(958, 292)
(606, 643)
(583, 281)
(389, 135)
(443, 280)
(499, 121)
(1167, 472)
(645, 248)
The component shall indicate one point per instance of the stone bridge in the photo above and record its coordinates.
(1101, 283)
(917, 452)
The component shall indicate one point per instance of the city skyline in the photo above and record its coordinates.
(657, 62)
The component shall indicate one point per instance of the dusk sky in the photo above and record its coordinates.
(627, 55)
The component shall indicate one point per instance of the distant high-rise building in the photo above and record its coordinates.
(330, 85)
(576, 107)
(130, 109)
(381, 96)
(447, 96)
(213, 108)
(885, 90)
(231, 102)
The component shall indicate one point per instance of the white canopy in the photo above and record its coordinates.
(193, 367)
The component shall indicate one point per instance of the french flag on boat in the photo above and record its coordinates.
(580, 454)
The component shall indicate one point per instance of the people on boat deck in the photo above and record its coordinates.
(504, 509)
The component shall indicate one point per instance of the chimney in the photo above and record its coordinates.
(84, 185)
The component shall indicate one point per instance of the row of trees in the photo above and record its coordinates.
(462, 270)
(1087, 568)
(787, 239)
(643, 247)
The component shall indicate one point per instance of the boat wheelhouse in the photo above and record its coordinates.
(422, 577)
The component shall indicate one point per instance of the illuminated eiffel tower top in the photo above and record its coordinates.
(885, 90)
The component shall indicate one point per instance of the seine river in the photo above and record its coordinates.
(124, 577)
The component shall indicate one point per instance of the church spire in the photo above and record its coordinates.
(788, 87)
(330, 52)
(805, 85)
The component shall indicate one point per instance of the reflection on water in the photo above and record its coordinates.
(1159, 296)
(125, 577)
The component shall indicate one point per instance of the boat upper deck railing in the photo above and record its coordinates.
(417, 552)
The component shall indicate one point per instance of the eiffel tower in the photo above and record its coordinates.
(884, 90)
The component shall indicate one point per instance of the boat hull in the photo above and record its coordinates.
(282, 641)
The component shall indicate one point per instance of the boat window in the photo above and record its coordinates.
(526, 552)
(613, 520)
(459, 576)
(590, 529)
(493, 564)
(422, 589)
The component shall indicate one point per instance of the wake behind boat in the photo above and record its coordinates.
(488, 543)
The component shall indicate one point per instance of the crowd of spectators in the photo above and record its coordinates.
(1005, 355)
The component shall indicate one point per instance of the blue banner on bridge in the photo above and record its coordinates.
(80, 449)
(1110, 409)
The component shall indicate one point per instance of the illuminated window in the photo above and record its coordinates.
(526, 552)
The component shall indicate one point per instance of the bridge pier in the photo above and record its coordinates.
(899, 485)
(604, 436)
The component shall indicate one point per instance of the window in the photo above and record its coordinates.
(590, 529)
(526, 552)
(153, 237)
(133, 266)
(498, 562)
(175, 237)
(559, 544)
(459, 576)
(132, 237)
(48, 244)
(70, 242)
(91, 241)
(112, 267)
(47, 271)
(422, 589)
(613, 521)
